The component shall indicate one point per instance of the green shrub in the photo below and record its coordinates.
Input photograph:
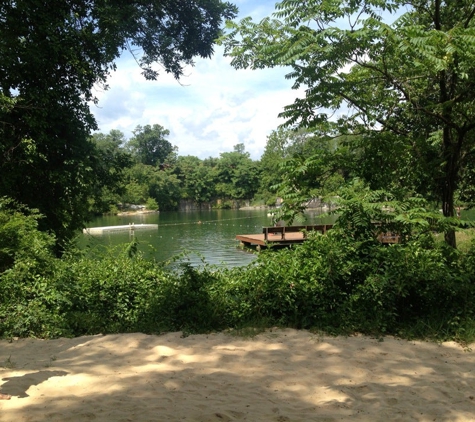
(30, 301)
(187, 302)
(347, 281)
(151, 204)
(110, 292)
(20, 239)
(123, 292)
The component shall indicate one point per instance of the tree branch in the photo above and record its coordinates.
(469, 18)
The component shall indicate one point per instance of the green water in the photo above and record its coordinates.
(213, 239)
(203, 234)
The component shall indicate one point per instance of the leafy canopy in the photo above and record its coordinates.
(150, 146)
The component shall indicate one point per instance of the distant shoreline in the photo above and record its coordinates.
(134, 212)
(259, 207)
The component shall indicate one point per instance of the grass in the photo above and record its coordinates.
(245, 332)
(464, 239)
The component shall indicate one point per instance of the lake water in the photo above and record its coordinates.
(208, 235)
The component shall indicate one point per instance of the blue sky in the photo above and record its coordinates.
(214, 108)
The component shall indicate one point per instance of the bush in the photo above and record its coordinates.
(337, 285)
(125, 294)
(151, 204)
(108, 293)
(188, 301)
(30, 301)
(285, 287)
(20, 239)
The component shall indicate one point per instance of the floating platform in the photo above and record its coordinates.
(127, 228)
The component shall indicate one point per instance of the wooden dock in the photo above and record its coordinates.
(280, 236)
(291, 235)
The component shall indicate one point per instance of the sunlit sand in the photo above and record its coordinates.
(279, 375)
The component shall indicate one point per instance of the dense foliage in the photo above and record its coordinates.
(228, 180)
(342, 282)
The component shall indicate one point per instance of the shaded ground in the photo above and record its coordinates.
(280, 375)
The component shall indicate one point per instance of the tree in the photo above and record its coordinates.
(149, 145)
(165, 189)
(287, 145)
(237, 175)
(112, 160)
(53, 54)
(411, 80)
(138, 180)
(145, 181)
(196, 179)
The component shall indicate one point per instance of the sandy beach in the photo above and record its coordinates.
(279, 375)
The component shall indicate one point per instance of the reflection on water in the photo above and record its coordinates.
(208, 235)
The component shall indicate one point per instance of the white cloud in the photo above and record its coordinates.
(214, 108)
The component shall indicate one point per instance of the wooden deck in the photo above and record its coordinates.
(291, 235)
(259, 239)
(279, 236)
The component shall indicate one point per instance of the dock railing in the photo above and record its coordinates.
(270, 232)
(282, 230)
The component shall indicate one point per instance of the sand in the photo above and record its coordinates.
(279, 375)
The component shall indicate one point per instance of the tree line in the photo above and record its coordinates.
(148, 169)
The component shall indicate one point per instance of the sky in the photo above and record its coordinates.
(213, 108)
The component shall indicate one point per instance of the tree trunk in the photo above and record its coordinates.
(448, 210)
(451, 156)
